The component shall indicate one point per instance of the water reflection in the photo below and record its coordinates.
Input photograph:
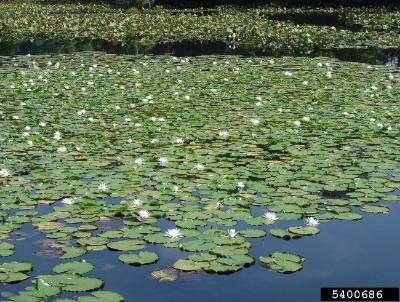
(356, 253)
(316, 18)
(378, 56)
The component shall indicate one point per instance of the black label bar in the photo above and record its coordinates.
(359, 294)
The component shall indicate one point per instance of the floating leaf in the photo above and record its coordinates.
(75, 267)
(283, 262)
(139, 259)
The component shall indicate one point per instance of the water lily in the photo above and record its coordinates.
(232, 233)
(179, 141)
(57, 135)
(223, 134)
(136, 203)
(163, 161)
(241, 185)
(68, 200)
(143, 215)
(139, 161)
(103, 187)
(174, 233)
(297, 123)
(4, 173)
(270, 216)
(255, 121)
(200, 167)
(311, 221)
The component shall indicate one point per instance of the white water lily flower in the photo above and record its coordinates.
(81, 112)
(62, 149)
(329, 75)
(187, 98)
(42, 124)
(103, 187)
(232, 233)
(200, 167)
(163, 161)
(57, 135)
(220, 204)
(241, 185)
(68, 200)
(175, 189)
(179, 141)
(139, 161)
(144, 214)
(4, 173)
(311, 221)
(174, 233)
(44, 283)
(305, 83)
(297, 123)
(270, 216)
(391, 77)
(223, 134)
(30, 143)
(306, 119)
(255, 121)
(136, 203)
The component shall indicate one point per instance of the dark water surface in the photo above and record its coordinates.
(345, 254)
(378, 56)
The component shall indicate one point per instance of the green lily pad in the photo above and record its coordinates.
(304, 231)
(126, 245)
(139, 259)
(75, 267)
(283, 262)
(102, 296)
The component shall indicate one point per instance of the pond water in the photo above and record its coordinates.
(188, 48)
(346, 254)
(316, 18)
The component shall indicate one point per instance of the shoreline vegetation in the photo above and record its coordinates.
(254, 30)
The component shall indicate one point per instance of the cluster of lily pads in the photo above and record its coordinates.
(250, 30)
(184, 153)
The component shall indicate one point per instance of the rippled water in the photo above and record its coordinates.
(345, 254)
